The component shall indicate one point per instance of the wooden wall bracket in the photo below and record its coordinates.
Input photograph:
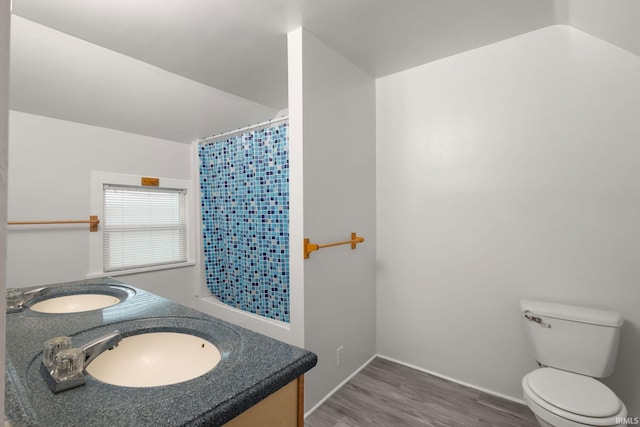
(311, 247)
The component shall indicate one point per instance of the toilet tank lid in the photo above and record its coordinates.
(573, 313)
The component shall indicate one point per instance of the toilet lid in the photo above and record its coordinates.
(574, 393)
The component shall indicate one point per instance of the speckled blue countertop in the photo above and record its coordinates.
(252, 367)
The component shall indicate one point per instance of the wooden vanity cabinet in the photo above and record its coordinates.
(284, 408)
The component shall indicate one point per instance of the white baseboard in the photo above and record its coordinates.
(418, 368)
(332, 392)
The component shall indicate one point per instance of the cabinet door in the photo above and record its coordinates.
(284, 408)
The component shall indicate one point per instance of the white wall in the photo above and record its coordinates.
(613, 20)
(4, 124)
(511, 171)
(337, 115)
(50, 164)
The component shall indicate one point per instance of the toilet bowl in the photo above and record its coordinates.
(564, 399)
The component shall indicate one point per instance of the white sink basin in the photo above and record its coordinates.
(75, 303)
(155, 359)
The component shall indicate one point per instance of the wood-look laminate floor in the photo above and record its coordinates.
(386, 394)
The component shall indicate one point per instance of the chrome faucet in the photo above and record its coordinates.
(98, 346)
(62, 367)
(16, 299)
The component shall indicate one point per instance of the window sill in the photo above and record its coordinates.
(141, 270)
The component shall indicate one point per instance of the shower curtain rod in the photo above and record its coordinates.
(244, 129)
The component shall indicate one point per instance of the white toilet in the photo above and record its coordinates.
(572, 345)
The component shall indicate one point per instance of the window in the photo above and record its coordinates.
(143, 227)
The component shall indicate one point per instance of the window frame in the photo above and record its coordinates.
(96, 240)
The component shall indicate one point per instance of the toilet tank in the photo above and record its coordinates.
(576, 339)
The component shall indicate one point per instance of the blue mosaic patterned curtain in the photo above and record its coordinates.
(244, 183)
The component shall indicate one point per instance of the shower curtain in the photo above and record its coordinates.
(244, 186)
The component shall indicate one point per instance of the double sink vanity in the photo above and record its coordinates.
(101, 352)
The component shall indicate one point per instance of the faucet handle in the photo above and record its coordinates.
(15, 299)
(69, 363)
(51, 349)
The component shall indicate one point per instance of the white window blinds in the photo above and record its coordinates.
(143, 227)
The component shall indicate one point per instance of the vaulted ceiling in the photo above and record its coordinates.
(239, 47)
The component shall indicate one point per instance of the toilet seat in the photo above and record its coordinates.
(573, 397)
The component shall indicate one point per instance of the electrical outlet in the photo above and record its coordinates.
(339, 355)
